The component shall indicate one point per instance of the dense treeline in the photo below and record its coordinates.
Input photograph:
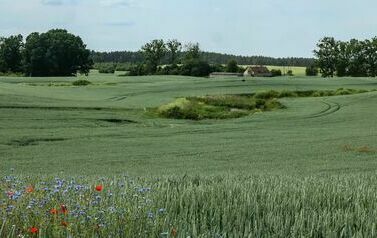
(210, 57)
(347, 58)
(54, 53)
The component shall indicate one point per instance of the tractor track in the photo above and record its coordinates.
(331, 108)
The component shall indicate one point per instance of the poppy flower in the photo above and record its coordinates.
(10, 193)
(53, 211)
(64, 223)
(63, 209)
(33, 230)
(29, 189)
(99, 188)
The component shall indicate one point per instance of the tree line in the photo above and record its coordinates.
(136, 57)
(54, 53)
(354, 58)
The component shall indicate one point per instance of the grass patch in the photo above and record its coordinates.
(81, 82)
(32, 141)
(359, 149)
(235, 106)
(215, 107)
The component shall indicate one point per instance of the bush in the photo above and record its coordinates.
(218, 68)
(276, 72)
(290, 73)
(232, 67)
(311, 71)
(106, 68)
(196, 68)
(81, 82)
(137, 70)
(267, 95)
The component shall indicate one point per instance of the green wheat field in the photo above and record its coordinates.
(305, 170)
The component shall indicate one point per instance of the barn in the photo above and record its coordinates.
(257, 71)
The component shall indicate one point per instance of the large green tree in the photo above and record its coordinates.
(327, 56)
(55, 53)
(10, 54)
(174, 47)
(232, 67)
(153, 53)
(192, 51)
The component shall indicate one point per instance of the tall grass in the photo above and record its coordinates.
(235, 106)
(264, 206)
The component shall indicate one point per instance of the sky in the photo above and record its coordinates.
(277, 28)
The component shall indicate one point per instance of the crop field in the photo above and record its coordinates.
(307, 169)
(296, 70)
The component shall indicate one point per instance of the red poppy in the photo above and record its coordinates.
(10, 193)
(29, 189)
(99, 188)
(63, 209)
(53, 211)
(33, 230)
(64, 223)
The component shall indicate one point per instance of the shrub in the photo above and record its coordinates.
(311, 71)
(267, 95)
(196, 68)
(218, 68)
(286, 94)
(107, 69)
(232, 66)
(290, 73)
(137, 70)
(276, 72)
(81, 82)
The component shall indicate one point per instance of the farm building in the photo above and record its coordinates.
(224, 74)
(257, 71)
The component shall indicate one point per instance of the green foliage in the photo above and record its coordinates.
(55, 53)
(327, 56)
(200, 109)
(216, 107)
(81, 82)
(107, 68)
(192, 52)
(10, 54)
(232, 67)
(174, 47)
(276, 72)
(153, 53)
(290, 73)
(200, 206)
(137, 70)
(352, 58)
(218, 68)
(311, 71)
(196, 68)
(211, 57)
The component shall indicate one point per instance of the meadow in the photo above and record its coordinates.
(305, 170)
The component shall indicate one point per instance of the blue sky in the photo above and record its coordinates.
(246, 27)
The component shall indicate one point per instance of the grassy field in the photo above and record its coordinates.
(297, 71)
(308, 170)
(49, 126)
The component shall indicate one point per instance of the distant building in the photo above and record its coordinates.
(224, 74)
(257, 71)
